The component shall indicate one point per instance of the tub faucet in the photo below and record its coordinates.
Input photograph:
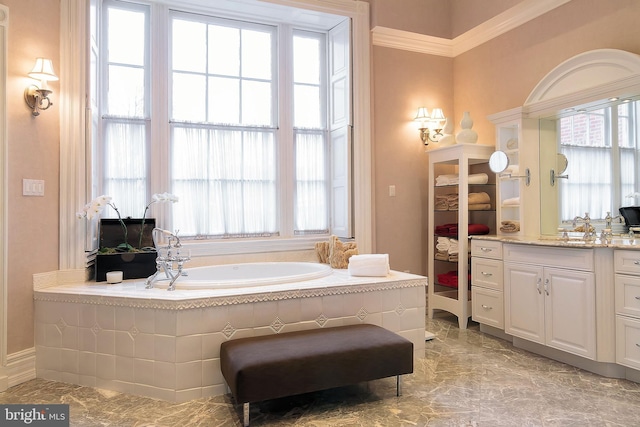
(588, 235)
(170, 260)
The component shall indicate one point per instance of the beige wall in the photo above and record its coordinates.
(403, 82)
(497, 75)
(431, 17)
(33, 153)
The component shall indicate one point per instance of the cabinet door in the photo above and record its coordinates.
(524, 301)
(570, 308)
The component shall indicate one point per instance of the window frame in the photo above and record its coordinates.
(76, 159)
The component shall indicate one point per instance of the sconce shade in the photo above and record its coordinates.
(437, 114)
(43, 70)
(423, 114)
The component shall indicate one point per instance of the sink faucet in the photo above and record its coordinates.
(609, 220)
(589, 235)
(170, 260)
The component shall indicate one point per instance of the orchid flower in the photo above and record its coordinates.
(97, 205)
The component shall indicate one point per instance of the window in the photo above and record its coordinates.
(602, 149)
(241, 134)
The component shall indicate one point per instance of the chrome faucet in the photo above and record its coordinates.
(588, 235)
(609, 220)
(170, 260)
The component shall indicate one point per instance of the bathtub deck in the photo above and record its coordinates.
(166, 345)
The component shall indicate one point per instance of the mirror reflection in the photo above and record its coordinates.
(599, 150)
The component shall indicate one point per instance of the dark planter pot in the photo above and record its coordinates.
(134, 265)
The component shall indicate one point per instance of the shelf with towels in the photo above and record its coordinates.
(463, 194)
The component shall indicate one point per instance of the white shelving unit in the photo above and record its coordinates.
(512, 130)
(463, 160)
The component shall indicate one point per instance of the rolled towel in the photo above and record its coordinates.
(478, 178)
(370, 265)
(510, 226)
(477, 198)
(513, 201)
(441, 203)
(480, 207)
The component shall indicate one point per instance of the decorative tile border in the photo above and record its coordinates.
(138, 301)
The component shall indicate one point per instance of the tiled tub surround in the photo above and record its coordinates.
(165, 345)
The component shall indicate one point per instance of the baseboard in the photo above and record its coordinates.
(21, 366)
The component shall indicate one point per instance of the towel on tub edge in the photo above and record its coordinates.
(371, 265)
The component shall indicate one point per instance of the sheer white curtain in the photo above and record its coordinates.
(226, 180)
(311, 183)
(590, 183)
(125, 164)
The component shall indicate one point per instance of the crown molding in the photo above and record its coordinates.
(512, 18)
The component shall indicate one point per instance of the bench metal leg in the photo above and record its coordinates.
(245, 410)
(399, 385)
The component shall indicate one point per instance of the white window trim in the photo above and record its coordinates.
(74, 172)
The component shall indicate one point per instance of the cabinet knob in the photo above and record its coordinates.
(636, 262)
(486, 307)
(638, 297)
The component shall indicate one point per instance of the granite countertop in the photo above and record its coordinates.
(617, 242)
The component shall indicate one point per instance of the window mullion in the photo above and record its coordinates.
(285, 135)
(612, 123)
(159, 149)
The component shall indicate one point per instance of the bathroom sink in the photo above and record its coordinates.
(624, 241)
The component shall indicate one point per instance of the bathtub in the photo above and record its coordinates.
(248, 275)
(166, 345)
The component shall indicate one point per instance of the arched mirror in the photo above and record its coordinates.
(584, 107)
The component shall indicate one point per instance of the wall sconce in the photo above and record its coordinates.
(429, 123)
(37, 98)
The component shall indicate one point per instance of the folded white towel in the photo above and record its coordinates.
(447, 179)
(514, 201)
(371, 265)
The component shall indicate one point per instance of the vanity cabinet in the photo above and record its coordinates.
(550, 297)
(487, 298)
(454, 173)
(627, 305)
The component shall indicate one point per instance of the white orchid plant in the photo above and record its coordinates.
(97, 205)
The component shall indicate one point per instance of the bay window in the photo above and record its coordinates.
(230, 115)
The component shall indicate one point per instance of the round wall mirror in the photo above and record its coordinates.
(498, 162)
(562, 163)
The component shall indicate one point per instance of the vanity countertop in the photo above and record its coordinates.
(616, 243)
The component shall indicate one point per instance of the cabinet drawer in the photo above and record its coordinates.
(569, 258)
(628, 342)
(627, 295)
(486, 248)
(626, 261)
(487, 273)
(487, 307)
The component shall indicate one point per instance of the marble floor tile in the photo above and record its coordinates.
(467, 379)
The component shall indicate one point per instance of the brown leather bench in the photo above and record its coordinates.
(273, 366)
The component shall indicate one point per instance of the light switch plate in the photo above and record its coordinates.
(33, 187)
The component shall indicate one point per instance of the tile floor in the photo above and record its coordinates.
(466, 379)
